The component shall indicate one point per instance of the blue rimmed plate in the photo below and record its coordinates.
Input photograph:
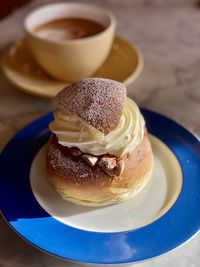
(160, 218)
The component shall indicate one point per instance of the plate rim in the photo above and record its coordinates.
(131, 260)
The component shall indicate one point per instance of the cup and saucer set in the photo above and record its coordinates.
(162, 217)
(43, 67)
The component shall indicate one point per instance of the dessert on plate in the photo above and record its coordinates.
(99, 152)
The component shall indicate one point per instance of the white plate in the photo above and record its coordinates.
(148, 205)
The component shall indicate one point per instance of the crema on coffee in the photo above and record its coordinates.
(68, 28)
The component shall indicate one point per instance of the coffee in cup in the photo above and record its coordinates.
(68, 29)
(70, 41)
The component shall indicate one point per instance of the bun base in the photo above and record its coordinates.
(82, 184)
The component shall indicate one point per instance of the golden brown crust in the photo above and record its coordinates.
(72, 169)
(79, 182)
(97, 101)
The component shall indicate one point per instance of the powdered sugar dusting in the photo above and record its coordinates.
(73, 168)
(98, 101)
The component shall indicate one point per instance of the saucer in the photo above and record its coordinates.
(123, 64)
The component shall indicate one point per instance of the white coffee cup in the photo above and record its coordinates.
(70, 60)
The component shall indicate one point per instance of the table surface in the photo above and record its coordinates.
(168, 34)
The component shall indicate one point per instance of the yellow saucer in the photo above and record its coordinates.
(123, 64)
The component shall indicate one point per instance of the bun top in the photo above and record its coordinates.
(98, 101)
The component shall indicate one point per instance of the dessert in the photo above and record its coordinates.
(99, 152)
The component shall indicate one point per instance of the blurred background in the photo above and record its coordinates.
(168, 34)
(11, 5)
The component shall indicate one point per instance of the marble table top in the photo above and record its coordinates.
(168, 34)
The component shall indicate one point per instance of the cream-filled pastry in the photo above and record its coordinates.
(99, 152)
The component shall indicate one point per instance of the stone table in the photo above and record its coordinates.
(168, 34)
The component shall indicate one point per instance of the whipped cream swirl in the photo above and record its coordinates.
(72, 131)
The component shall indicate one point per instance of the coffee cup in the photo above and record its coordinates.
(72, 57)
